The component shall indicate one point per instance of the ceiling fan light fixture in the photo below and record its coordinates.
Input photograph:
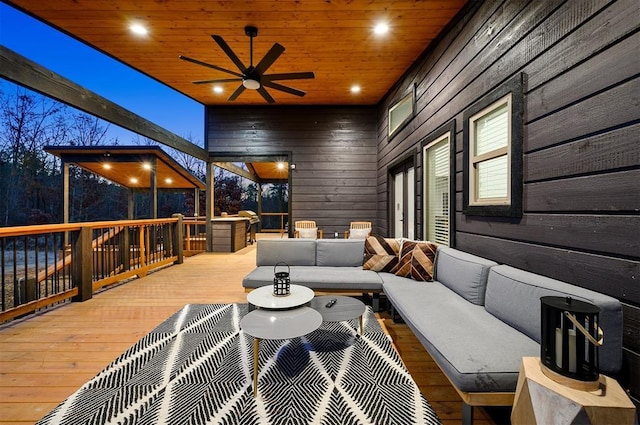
(250, 83)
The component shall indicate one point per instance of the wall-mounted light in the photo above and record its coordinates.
(293, 166)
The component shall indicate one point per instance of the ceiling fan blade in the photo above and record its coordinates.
(226, 80)
(269, 58)
(197, 62)
(289, 76)
(237, 93)
(225, 47)
(266, 95)
(286, 89)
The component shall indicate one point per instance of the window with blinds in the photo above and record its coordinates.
(436, 178)
(489, 161)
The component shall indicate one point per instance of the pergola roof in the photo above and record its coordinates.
(129, 166)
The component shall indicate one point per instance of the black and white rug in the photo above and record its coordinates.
(196, 368)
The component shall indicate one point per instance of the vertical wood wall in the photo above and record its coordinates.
(333, 148)
(581, 219)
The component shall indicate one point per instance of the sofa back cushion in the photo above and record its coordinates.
(464, 273)
(340, 252)
(294, 252)
(513, 296)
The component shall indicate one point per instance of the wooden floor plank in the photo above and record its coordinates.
(45, 358)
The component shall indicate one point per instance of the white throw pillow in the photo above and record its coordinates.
(308, 233)
(359, 233)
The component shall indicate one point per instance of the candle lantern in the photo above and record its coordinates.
(569, 342)
(281, 281)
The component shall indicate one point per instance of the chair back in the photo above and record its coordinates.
(306, 224)
(361, 228)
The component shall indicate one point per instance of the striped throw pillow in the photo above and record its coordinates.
(381, 254)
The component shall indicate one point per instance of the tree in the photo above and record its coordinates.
(228, 193)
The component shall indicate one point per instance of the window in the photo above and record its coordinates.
(401, 112)
(436, 190)
(489, 157)
(492, 153)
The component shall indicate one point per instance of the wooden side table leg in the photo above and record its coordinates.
(361, 325)
(256, 355)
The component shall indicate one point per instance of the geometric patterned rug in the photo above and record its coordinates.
(196, 368)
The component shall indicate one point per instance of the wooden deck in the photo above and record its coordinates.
(43, 359)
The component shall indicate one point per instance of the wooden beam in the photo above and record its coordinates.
(24, 72)
(229, 166)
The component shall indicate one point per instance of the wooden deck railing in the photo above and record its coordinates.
(38, 269)
(265, 227)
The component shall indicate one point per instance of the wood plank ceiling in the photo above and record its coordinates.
(332, 38)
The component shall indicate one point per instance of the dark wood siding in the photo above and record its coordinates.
(581, 220)
(333, 148)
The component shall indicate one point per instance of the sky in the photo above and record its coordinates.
(103, 75)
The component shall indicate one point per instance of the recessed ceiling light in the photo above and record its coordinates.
(280, 165)
(133, 180)
(217, 89)
(106, 166)
(146, 166)
(381, 28)
(355, 89)
(138, 29)
(168, 180)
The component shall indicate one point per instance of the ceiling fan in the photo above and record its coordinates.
(253, 77)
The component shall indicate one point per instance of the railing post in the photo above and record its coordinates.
(81, 264)
(126, 249)
(178, 236)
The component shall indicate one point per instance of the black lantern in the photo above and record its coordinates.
(570, 340)
(281, 281)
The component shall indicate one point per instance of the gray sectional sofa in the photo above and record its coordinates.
(321, 264)
(477, 319)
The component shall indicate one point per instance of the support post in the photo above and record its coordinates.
(260, 206)
(81, 264)
(209, 205)
(131, 205)
(196, 202)
(153, 188)
(467, 414)
(65, 199)
(178, 237)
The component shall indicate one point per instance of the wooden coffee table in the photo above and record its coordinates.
(344, 308)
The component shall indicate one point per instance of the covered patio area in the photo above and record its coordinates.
(46, 358)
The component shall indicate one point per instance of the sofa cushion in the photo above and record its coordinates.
(404, 259)
(464, 273)
(422, 261)
(476, 350)
(381, 254)
(319, 278)
(340, 252)
(416, 260)
(294, 252)
(513, 296)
